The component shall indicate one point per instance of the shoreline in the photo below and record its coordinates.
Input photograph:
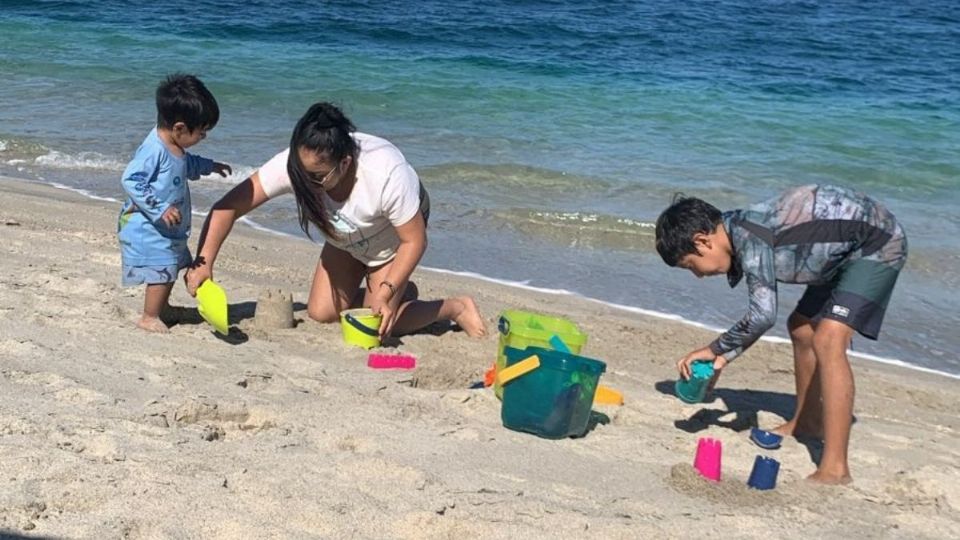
(890, 361)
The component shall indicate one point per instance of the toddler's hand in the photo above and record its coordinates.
(222, 169)
(171, 216)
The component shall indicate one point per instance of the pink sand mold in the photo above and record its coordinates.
(391, 361)
(707, 460)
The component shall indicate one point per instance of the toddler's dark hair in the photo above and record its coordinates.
(183, 98)
(676, 226)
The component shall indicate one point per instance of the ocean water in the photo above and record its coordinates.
(550, 134)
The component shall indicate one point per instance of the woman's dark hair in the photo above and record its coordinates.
(325, 130)
(676, 226)
(183, 98)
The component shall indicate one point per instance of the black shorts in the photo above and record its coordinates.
(424, 205)
(857, 296)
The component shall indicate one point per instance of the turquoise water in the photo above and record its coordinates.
(550, 133)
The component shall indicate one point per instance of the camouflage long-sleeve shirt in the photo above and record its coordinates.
(803, 236)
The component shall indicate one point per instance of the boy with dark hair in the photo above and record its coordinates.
(847, 248)
(154, 222)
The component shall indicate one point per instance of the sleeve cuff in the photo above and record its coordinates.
(718, 350)
(206, 166)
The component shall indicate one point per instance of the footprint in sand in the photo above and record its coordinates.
(379, 472)
(927, 486)
(225, 415)
(444, 374)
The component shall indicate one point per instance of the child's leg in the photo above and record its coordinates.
(155, 300)
(830, 342)
(807, 418)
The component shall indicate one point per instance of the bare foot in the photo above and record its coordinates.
(152, 324)
(829, 478)
(468, 316)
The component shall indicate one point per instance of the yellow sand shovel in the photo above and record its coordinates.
(212, 305)
(607, 396)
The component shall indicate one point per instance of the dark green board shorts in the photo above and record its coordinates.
(857, 296)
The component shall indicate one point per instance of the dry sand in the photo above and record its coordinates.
(110, 432)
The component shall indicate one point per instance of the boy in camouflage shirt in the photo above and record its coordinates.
(847, 248)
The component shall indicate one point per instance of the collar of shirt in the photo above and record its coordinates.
(735, 274)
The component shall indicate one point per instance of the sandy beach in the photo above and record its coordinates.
(110, 432)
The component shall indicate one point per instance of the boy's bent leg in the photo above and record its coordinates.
(830, 343)
(807, 417)
(155, 300)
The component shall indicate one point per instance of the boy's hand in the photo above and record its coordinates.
(719, 362)
(171, 217)
(222, 169)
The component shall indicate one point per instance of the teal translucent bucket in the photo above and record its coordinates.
(553, 400)
(694, 389)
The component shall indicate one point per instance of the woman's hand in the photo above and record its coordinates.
(196, 275)
(385, 303)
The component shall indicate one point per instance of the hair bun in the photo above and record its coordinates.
(326, 115)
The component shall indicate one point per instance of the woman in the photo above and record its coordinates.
(369, 204)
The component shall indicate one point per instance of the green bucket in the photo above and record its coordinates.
(548, 393)
(522, 329)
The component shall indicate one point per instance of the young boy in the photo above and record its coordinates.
(154, 221)
(847, 248)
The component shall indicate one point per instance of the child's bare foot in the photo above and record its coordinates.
(468, 317)
(838, 478)
(152, 324)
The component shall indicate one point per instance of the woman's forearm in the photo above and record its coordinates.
(240, 200)
(408, 257)
(215, 230)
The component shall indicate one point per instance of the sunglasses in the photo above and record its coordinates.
(322, 181)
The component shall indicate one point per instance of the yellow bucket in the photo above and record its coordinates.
(361, 327)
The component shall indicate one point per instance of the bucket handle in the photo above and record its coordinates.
(519, 369)
(372, 332)
(557, 343)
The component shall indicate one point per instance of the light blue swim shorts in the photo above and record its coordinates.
(153, 274)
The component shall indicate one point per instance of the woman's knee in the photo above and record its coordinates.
(322, 314)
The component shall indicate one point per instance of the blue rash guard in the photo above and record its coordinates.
(154, 181)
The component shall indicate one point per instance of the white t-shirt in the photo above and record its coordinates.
(386, 195)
